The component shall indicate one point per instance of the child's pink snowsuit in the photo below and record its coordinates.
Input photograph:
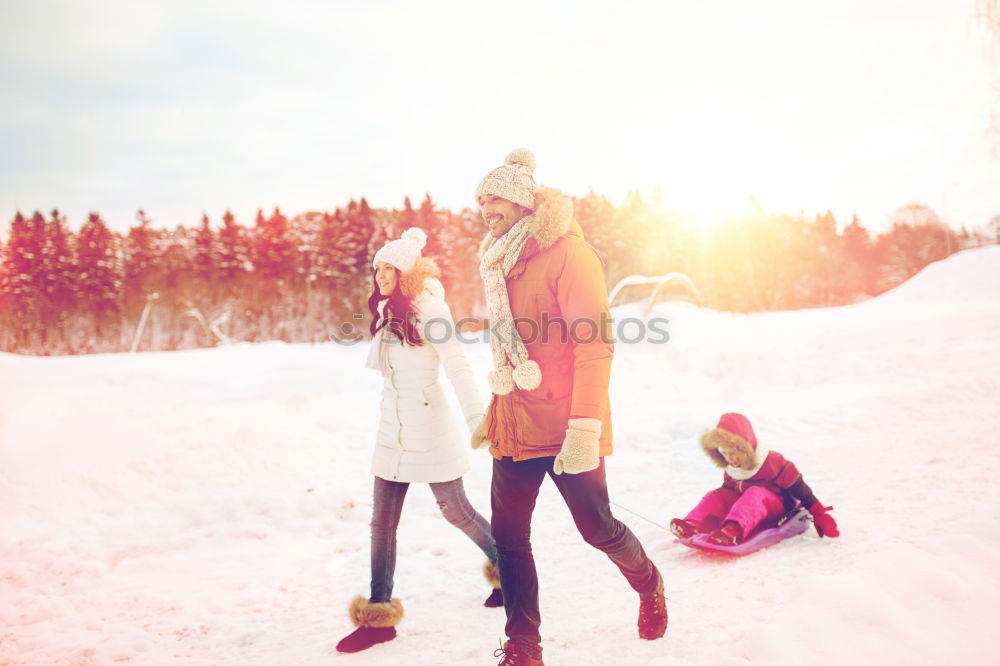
(771, 490)
(749, 509)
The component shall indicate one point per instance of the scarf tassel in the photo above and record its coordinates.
(527, 377)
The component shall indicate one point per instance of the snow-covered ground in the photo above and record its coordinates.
(211, 507)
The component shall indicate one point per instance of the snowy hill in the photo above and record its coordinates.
(211, 507)
(970, 276)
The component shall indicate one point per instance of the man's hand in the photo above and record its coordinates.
(580, 450)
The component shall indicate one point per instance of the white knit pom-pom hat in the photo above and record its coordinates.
(512, 180)
(404, 251)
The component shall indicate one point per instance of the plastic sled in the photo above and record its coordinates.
(792, 523)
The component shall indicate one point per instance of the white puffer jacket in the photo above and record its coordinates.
(418, 438)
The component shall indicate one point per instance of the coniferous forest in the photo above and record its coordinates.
(306, 278)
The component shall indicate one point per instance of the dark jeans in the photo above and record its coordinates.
(515, 487)
(386, 510)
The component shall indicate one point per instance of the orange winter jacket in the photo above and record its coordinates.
(560, 306)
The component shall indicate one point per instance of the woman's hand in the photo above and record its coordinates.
(477, 426)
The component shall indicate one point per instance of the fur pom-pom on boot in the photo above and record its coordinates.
(492, 576)
(375, 621)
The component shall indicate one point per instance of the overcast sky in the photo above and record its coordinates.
(185, 107)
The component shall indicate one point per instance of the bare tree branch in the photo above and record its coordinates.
(988, 16)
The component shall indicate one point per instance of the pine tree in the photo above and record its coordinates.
(429, 220)
(205, 259)
(860, 269)
(917, 238)
(826, 255)
(596, 216)
(458, 238)
(140, 265)
(330, 251)
(232, 254)
(100, 277)
(273, 248)
(21, 295)
(6, 299)
(366, 225)
(408, 216)
(356, 241)
(993, 229)
(176, 256)
(58, 267)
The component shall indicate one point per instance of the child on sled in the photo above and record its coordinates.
(758, 485)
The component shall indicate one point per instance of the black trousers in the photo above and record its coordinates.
(514, 490)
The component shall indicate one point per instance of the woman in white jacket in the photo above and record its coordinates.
(417, 441)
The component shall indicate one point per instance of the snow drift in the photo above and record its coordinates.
(211, 507)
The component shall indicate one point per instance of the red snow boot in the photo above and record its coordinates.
(375, 621)
(495, 600)
(363, 638)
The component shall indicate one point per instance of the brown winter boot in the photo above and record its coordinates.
(375, 621)
(492, 576)
(516, 654)
(683, 528)
(653, 612)
(729, 535)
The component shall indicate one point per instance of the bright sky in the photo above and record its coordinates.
(184, 107)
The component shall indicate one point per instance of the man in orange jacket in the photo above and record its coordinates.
(550, 414)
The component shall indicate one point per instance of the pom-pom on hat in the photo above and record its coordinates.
(512, 180)
(403, 252)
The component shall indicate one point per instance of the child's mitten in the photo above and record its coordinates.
(823, 522)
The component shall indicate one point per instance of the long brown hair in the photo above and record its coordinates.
(398, 314)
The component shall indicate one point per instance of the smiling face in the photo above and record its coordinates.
(731, 457)
(500, 214)
(386, 277)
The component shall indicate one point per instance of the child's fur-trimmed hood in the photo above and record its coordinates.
(717, 438)
(734, 433)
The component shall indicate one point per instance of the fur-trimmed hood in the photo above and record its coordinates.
(425, 275)
(553, 216)
(551, 220)
(735, 433)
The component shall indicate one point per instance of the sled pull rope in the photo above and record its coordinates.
(783, 519)
(636, 513)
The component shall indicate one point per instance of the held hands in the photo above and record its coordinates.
(477, 426)
(823, 522)
(580, 450)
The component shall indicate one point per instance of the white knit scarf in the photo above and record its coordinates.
(511, 365)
